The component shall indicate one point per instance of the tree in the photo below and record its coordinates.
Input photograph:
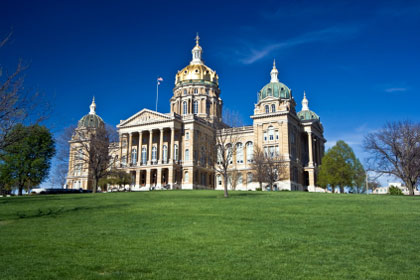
(338, 167)
(115, 177)
(395, 150)
(258, 165)
(226, 140)
(275, 168)
(359, 181)
(26, 162)
(94, 148)
(16, 104)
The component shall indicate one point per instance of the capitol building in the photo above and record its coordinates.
(177, 149)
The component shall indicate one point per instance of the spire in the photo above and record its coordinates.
(197, 39)
(274, 73)
(305, 102)
(196, 52)
(92, 107)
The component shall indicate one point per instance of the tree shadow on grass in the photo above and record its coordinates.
(54, 212)
(51, 197)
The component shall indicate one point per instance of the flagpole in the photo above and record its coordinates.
(157, 93)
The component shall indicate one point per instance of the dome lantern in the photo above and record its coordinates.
(92, 107)
(196, 52)
(306, 114)
(274, 73)
(305, 103)
(91, 120)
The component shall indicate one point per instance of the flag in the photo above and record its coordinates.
(160, 79)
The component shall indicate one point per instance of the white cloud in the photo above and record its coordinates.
(396, 89)
(251, 53)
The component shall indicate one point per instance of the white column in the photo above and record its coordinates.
(171, 151)
(161, 146)
(139, 148)
(149, 150)
(310, 142)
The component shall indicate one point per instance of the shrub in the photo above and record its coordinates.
(393, 190)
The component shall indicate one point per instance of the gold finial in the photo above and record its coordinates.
(197, 38)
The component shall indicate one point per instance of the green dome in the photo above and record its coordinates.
(91, 121)
(275, 89)
(307, 115)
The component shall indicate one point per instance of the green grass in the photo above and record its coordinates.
(201, 235)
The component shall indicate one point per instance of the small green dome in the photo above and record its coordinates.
(307, 115)
(275, 89)
(91, 121)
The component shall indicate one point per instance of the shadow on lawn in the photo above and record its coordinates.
(51, 197)
(54, 212)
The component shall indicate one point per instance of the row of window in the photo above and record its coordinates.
(154, 155)
(267, 108)
(228, 153)
(239, 180)
(270, 134)
(195, 91)
(195, 107)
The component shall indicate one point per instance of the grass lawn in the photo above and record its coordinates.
(201, 235)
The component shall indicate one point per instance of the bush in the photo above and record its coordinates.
(258, 189)
(393, 190)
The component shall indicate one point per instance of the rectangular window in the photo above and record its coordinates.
(265, 136)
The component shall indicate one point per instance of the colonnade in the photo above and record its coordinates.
(149, 147)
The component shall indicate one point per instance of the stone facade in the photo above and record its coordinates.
(177, 149)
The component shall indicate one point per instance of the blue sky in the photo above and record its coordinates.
(358, 61)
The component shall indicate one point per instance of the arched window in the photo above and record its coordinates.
(196, 90)
(133, 156)
(249, 151)
(249, 178)
(273, 108)
(186, 177)
(165, 153)
(154, 154)
(271, 133)
(239, 181)
(195, 107)
(219, 155)
(239, 153)
(187, 154)
(219, 180)
(229, 153)
(176, 152)
(185, 91)
(123, 160)
(184, 108)
(143, 155)
(187, 135)
(267, 109)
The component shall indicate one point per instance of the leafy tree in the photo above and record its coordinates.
(359, 181)
(393, 190)
(339, 168)
(395, 150)
(26, 162)
(115, 177)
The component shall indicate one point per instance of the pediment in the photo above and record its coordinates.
(143, 117)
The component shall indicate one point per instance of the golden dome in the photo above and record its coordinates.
(196, 71)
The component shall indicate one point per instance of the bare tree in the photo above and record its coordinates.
(395, 150)
(16, 104)
(226, 139)
(60, 167)
(258, 165)
(94, 148)
(275, 168)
